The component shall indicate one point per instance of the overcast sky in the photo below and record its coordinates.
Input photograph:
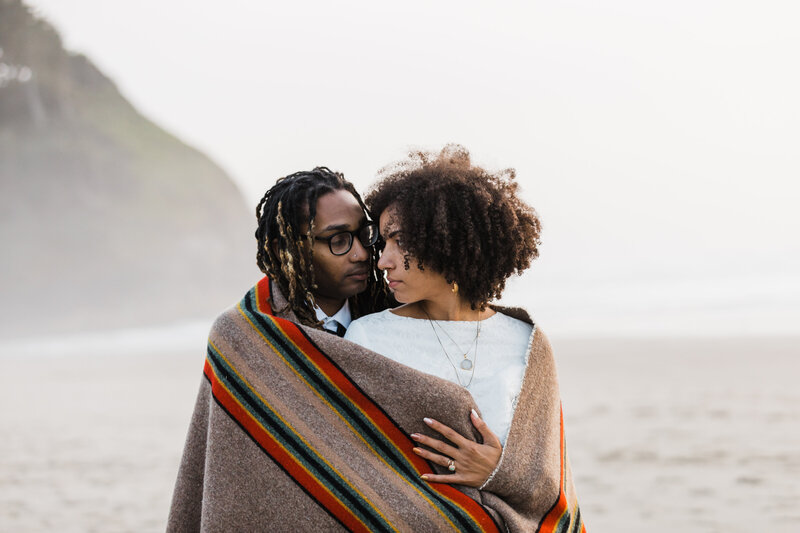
(658, 141)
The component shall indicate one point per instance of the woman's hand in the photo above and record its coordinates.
(473, 462)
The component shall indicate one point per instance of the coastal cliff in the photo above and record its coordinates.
(106, 220)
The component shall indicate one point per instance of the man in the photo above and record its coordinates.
(316, 243)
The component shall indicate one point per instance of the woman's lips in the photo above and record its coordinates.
(394, 283)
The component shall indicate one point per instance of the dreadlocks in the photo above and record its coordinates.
(281, 214)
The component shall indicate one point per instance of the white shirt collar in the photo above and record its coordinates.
(342, 316)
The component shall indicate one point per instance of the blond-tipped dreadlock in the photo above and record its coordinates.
(281, 214)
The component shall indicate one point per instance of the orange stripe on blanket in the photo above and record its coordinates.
(281, 456)
(262, 296)
(553, 518)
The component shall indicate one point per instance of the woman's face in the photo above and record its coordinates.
(412, 285)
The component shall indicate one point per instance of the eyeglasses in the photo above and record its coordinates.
(341, 242)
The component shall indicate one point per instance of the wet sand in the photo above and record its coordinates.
(663, 435)
(684, 435)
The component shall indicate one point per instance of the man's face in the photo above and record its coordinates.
(338, 277)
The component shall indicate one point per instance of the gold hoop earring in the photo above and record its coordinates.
(455, 288)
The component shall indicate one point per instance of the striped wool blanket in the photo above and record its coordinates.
(296, 429)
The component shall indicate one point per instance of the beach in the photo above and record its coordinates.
(663, 435)
(684, 435)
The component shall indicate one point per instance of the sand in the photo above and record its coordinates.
(664, 435)
(684, 435)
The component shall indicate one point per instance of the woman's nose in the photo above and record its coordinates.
(384, 261)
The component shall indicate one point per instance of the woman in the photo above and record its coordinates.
(453, 233)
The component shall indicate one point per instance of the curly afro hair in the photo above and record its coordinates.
(459, 220)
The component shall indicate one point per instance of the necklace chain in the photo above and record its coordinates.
(460, 350)
(447, 356)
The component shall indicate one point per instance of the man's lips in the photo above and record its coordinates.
(360, 275)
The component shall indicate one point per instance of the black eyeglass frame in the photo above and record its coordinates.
(353, 235)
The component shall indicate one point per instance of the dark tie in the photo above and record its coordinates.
(340, 329)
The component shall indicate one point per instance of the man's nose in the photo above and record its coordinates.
(358, 252)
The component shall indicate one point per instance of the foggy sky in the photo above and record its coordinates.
(657, 141)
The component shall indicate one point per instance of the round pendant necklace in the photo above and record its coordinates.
(466, 362)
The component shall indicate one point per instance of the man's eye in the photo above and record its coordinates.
(338, 240)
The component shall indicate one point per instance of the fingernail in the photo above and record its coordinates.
(415, 436)
(416, 450)
(424, 476)
(428, 421)
(475, 413)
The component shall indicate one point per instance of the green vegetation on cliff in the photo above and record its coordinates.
(106, 220)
